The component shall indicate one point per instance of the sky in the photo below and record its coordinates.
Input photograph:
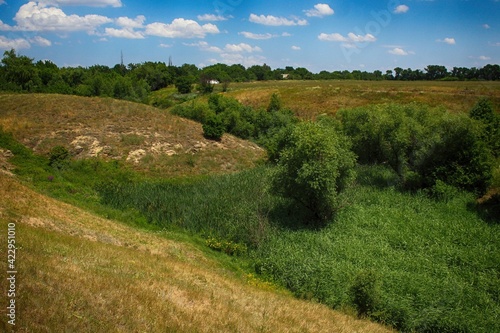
(318, 35)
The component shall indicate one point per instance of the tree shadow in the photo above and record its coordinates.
(378, 176)
(291, 215)
(487, 208)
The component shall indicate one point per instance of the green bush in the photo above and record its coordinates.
(59, 157)
(213, 128)
(365, 292)
(421, 145)
(313, 168)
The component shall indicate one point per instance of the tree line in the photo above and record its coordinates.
(135, 81)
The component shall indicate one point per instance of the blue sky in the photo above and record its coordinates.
(319, 35)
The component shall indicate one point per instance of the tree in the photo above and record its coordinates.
(184, 84)
(274, 103)
(20, 72)
(213, 128)
(314, 167)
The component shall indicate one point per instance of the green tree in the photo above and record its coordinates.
(274, 103)
(314, 167)
(20, 72)
(213, 128)
(184, 84)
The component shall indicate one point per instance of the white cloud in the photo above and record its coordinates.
(360, 38)
(2, 2)
(181, 28)
(486, 26)
(398, 51)
(211, 17)
(165, 45)
(236, 58)
(128, 28)
(126, 22)
(5, 27)
(204, 46)
(90, 3)
(448, 40)
(296, 48)
(401, 9)
(319, 10)
(18, 43)
(335, 37)
(40, 41)
(242, 47)
(251, 35)
(124, 33)
(275, 21)
(484, 58)
(38, 17)
(351, 38)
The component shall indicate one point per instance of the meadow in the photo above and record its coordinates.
(411, 261)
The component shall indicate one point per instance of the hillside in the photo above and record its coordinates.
(148, 139)
(82, 273)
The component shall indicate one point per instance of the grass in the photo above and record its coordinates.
(435, 262)
(311, 98)
(81, 273)
(423, 265)
(112, 129)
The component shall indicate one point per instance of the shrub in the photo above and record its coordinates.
(213, 128)
(421, 145)
(58, 157)
(274, 103)
(313, 168)
(365, 292)
(184, 85)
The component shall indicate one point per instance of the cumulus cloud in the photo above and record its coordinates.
(486, 26)
(401, 9)
(211, 17)
(335, 37)
(204, 46)
(127, 22)
(251, 35)
(296, 48)
(40, 41)
(18, 43)
(38, 17)
(351, 38)
(181, 28)
(448, 40)
(90, 3)
(275, 21)
(484, 58)
(319, 10)
(398, 51)
(242, 47)
(124, 33)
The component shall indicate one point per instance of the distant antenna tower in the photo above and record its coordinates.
(170, 61)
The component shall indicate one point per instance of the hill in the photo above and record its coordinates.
(148, 139)
(79, 272)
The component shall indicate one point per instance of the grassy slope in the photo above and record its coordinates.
(82, 273)
(112, 129)
(310, 98)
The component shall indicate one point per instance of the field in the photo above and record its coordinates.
(310, 98)
(186, 237)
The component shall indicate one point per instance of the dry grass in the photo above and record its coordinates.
(81, 273)
(152, 140)
(310, 98)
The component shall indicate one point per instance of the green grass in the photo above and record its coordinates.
(435, 262)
